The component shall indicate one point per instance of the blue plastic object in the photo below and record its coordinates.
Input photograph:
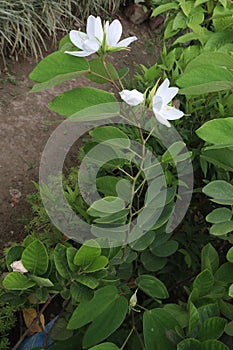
(37, 340)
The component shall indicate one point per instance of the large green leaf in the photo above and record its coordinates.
(152, 262)
(222, 157)
(17, 281)
(89, 281)
(107, 205)
(87, 311)
(106, 322)
(152, 286)
(57, 68)
(73, 101)
(98, 264)
(217, 131)
(166, 249)
(224, 273)
(219, 215)
(100, 74)
(87, 253)
(221, 228)
(156, 325)
(108, 132)
(216, 58)
(212, 328)
(35, 258)
(205, 79)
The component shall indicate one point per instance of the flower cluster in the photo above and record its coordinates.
(99, 38)
(164, 94)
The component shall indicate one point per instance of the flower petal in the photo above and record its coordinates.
(91, 23)
(80, 53)
(126, 42)
(132, 97)
(172, 113)
(77, 38)
(161, 119)
(165, 92)
(157, 103)
(113, 33)
(99, 33)
(91, 45)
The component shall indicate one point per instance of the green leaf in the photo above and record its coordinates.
(189, 344)
(152, 262)
(213, 345)
(221, 228)
(193, 320)
(42, 282)
(59, 331)
(220, 190)
(17, 281)
(13, 254)
(204, 282)
(106, 322)
(105, 346)
(205, 79)
(88, 281)
(152, 286)
(164, 8)
(224, 273)
(60, 261)
(212, 328)
(105, 133)
(179, 313)
(221, 158)
(219, 215)
(87, 253)
(57, 68)
(87, 311)
(35, 258)
(73, 101)
(104, 110)
(98, 72)
(216, 58)
(217, 131)
(230, 255)
(143, 242)
(107, 205)
(156, 324)
(229, 329)
(98, 264)
(209, 258)
(80, 293)
(166, 249)
(70, 254)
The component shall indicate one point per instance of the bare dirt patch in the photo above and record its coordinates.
(26, 124)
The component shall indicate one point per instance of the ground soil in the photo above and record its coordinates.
(26, 124)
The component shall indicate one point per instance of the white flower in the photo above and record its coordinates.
(98, 36)
(17, 266)
(162, 97)
(132, 98)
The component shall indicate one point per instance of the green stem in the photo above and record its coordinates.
(126, 340)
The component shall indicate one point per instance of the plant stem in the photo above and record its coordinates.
(126, 340)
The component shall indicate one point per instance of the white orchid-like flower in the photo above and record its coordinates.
(99, 37)
(17, 266)
(162, 111)
(132, 98)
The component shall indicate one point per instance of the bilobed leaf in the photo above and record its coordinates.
(156, 323)
(87, 253)
(212, 328)
(87, 311)
(152, 286)
(35, 258)
(73, 101)
(17, 281)
(106, 323)
(217, 131)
